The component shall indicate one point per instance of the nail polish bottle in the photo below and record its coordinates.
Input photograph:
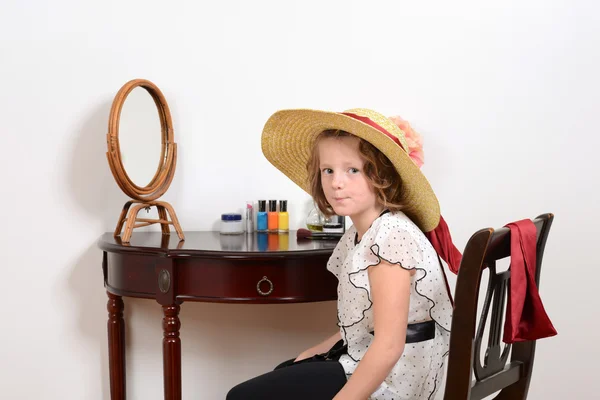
(272, 216)
(261, 216)
(284, 218)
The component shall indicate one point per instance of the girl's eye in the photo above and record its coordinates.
(327, 171)
(353, 170)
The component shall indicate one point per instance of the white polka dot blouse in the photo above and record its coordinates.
(395, 238)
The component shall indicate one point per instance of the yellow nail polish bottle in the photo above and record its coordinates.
(284, 218)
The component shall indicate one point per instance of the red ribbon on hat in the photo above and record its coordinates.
(441, 240)
(526, 318)
(368, 121)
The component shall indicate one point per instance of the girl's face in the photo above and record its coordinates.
(345, 186)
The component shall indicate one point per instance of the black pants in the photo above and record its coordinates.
(314, 378)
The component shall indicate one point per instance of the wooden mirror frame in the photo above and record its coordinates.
(143, 197)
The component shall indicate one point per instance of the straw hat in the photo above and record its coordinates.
(288, 138)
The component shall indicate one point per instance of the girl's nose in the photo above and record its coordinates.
(338, 181)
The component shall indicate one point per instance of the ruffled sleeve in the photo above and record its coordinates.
(391, 241)
(400, 244)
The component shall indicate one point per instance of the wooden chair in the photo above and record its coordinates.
(512, 379)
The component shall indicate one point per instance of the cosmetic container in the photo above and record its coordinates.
(283, 217)
(261, 216)
(249, 217)
(232, 224)
(314, 220)
(334, 224)
(273, 218)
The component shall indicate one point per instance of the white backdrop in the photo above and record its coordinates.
(505, 95)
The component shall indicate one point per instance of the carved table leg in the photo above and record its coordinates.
(172, 352)
(116, 346)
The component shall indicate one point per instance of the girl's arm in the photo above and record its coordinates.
(322, 347)
(390, 294)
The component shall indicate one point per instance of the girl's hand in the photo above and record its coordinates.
(305, 354)
(322, 347)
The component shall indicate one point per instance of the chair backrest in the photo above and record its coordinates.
(496, 374)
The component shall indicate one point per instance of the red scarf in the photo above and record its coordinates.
(526, 318)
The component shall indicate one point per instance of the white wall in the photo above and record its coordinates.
(505, 95)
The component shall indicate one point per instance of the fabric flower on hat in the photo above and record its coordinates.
(413, 139)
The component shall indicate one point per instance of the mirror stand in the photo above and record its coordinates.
(144, 197)
(129, 218)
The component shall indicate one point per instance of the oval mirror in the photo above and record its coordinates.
(140, 137)
(142, 155)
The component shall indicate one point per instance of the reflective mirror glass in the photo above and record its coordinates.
(140, 136)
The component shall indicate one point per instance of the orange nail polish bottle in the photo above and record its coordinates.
(273, 217)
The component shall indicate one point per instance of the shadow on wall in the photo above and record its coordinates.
(94, 190)
(91, 182)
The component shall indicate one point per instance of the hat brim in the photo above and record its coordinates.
(288, 138)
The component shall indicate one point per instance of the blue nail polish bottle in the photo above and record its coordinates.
(261, 216)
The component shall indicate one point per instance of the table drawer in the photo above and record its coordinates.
(255, 281)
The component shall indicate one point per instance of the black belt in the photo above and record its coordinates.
(418, 332)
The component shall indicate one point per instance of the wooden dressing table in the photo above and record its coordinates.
(208, 267)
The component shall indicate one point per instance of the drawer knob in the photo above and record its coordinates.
(268, 292)
(164, 281)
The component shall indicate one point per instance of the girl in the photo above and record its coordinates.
(394, 309)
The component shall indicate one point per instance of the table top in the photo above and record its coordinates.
(206, 243)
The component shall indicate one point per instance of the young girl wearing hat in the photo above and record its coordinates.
(394, 308)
